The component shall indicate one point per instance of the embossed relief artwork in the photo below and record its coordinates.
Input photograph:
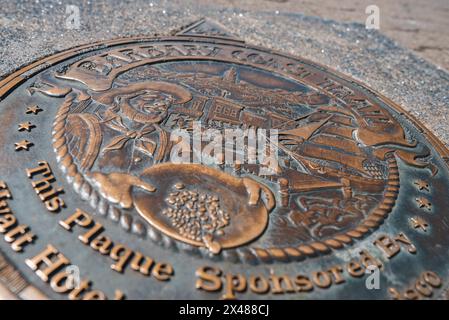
(94, 153)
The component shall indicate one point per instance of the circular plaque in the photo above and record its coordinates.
(96, 204)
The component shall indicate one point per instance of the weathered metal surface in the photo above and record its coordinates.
(87, 178)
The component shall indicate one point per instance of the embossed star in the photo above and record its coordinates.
(23, 145)
(422, 185)
(33, 109)
(26, 126)
(419, 223)
(424, 203)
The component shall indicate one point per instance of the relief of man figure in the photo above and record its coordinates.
(134, 116)
(123, 135)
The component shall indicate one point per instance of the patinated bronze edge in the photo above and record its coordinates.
(13, 284)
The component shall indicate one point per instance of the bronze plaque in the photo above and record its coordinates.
(94, 206)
